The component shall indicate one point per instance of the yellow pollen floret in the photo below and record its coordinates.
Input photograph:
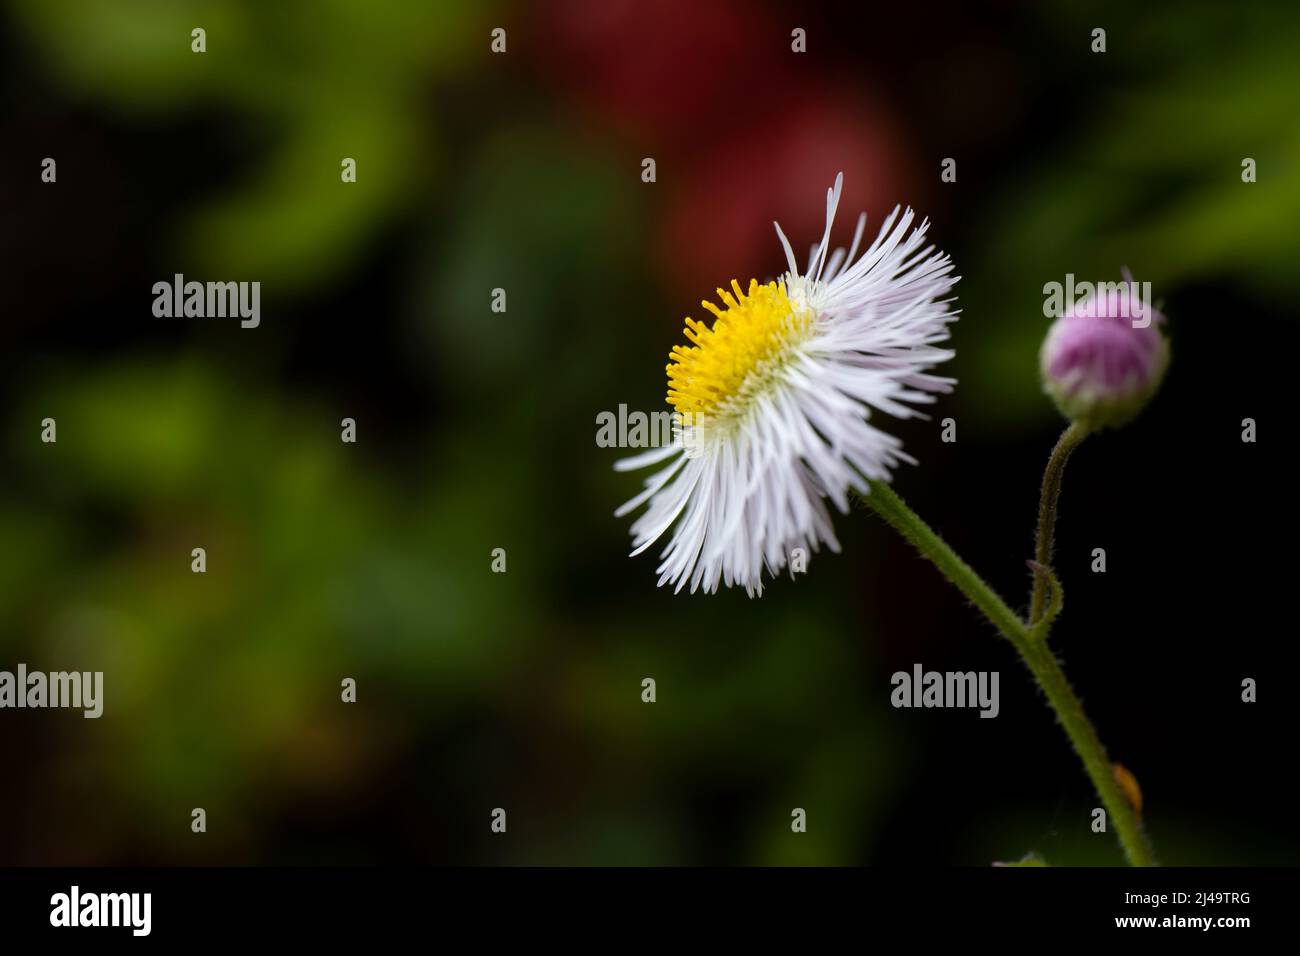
(750, 341)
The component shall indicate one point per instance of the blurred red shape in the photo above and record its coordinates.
(718, 225)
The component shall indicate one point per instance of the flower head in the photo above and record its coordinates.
(773, 403)
(1104, 359)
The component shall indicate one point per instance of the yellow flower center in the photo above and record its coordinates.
(751, 341)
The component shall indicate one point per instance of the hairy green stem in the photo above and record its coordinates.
(1037, 657)
(1069, 711)
(1047, 504)
(909, 524)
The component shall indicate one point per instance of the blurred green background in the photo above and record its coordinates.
(476, 429)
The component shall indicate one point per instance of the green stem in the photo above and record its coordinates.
(1069, 711)
(909, 524)
(1047, 504)
(1045, 668)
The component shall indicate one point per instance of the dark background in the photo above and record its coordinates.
(476, 430)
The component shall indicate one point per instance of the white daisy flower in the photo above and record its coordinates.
(774, 404)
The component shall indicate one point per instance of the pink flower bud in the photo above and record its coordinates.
(1105, 357)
